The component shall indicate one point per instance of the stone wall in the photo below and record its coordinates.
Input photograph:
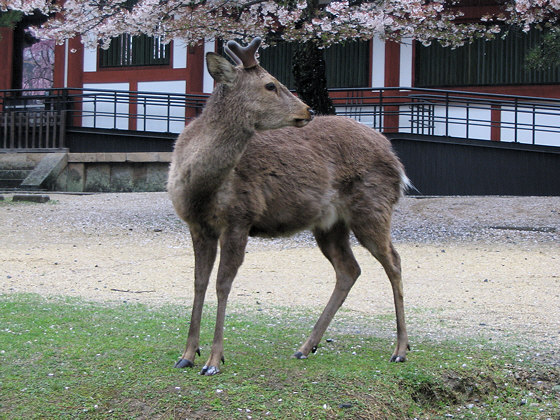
(114, 172)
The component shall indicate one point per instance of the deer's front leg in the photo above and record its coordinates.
(205, 248)
(232, 246)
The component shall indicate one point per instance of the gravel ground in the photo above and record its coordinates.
(478, 267)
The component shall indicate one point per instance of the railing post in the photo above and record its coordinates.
(168, 111)
(13, 129)
(382, 112)
(447, 114)
(467, 120)
(47, 127)
(534, 123)
(515, 121)
(115, 110)
(62, 128)
(94, 110)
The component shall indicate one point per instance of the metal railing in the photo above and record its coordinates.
(431, 112)
(140, 111)
(26, 116)
(461, 114)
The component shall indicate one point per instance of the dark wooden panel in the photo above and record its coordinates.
(440, 166)
(347, 65)
(117, 141)
(497, 62)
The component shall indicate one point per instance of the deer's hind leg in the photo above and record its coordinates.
(335, 245)
(376, 238)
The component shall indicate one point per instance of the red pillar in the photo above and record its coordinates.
(59, 60)
(69, 64)
(392, 79)
(195, 66)
(194, 74)
(496, 120)
(6, 58)
(75, 63)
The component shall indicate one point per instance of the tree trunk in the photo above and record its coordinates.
(310, 78)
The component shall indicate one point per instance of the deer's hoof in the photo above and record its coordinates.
(299, 355)
(398, 359)
(183, 363)
(209, 371)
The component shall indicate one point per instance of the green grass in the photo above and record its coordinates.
(67, 358)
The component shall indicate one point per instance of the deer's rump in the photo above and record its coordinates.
(298, 178)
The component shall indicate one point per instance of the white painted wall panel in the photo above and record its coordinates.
(179, 54)
(367, 115)
(160, 113)
(479, 122)
(207, 81)
(544, 118)
(405, 72)
(100, 112)
(90, 59)
(378, 63)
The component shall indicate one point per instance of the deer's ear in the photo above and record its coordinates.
(221, 70)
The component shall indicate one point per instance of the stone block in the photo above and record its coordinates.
(156, 177)
(75, 177)
(82, 157)
(142, 157)
(33, 198)
(98, 177)
(122, 178)
(61, 182)
(139, 175)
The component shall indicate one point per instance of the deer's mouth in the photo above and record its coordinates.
(302, 122)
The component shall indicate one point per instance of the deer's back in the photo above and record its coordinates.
(291, 178)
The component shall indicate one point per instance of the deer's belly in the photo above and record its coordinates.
(292, 219)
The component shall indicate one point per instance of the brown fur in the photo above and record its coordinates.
(229, 180)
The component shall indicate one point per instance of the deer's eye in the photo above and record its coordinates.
(270, 86)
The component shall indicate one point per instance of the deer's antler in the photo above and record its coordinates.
(246, 56)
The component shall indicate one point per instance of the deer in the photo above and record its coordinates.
(256, 162)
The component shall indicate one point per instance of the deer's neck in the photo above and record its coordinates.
(215, 150)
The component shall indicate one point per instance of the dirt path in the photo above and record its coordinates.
(485, 266)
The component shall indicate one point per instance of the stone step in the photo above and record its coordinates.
(20, 174)
(12, 178)
(9, 184)
(7, 165)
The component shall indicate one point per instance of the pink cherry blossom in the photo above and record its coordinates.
(334, 22)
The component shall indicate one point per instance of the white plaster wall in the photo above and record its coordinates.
(405, 72)
(100, 113)
(547, 119)
(160, 111)
(367, 115)
(378, 63)
(479, 122)
(207, 81)
(179, 54)
(90, 59)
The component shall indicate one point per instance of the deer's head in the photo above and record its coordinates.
(263, 99)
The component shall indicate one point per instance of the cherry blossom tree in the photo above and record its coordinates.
(38, 65)
(311, 24)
